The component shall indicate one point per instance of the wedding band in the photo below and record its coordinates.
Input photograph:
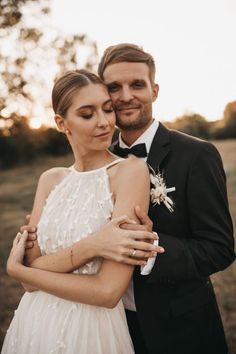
(133, 253)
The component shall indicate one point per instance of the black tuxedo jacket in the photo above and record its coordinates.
(176, 305)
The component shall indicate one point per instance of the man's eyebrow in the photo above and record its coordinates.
(139, 80)
(112, 83)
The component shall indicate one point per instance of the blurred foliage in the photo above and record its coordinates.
(193, 124)
(22, 144)
(196, 125)
(32, 53)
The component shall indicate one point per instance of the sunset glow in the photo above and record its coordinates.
(35, 123)
(191, 41)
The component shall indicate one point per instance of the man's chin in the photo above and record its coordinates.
(129, 126)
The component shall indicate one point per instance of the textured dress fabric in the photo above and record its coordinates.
(78, 206)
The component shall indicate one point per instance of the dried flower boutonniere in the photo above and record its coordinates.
(159, 190)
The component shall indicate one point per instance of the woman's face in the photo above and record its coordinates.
(90, 118)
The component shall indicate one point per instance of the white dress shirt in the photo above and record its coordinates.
(147, 138)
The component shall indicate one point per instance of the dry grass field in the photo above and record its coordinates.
(17, 187)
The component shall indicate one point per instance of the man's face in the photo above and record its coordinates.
(132, 94)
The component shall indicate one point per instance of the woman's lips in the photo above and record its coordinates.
(102, 135)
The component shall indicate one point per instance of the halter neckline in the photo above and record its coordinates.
(97, 169)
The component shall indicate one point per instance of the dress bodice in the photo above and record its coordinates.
(78, 206)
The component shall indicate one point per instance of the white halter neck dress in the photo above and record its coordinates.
(45, 324)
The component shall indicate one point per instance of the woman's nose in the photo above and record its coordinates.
(102, 120)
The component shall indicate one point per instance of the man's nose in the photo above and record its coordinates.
(126, 94)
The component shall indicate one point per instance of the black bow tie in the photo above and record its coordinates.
(138, 150)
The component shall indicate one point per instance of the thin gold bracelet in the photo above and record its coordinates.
(71, 257)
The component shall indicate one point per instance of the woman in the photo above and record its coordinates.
(80, 312)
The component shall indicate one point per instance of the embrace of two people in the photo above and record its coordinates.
(88, 289)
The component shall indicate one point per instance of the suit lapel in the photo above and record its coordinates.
(160, 147)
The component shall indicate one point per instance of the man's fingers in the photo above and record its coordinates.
(122, 219)
(32, 237)
(29, 229)
(134, 227)
(27, 218)
(143, 217)
(29, 245)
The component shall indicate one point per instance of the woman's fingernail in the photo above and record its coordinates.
(161, 250)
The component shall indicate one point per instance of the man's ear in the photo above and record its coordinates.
(60, 122)
(155, 91)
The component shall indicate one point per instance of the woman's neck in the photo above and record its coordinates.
(92, 160)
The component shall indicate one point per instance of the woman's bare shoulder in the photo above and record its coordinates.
(50, 178)
(133, 165)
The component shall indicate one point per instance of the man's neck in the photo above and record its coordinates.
(130, 136)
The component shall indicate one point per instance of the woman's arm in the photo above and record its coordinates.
(109, 242)
(107, 286)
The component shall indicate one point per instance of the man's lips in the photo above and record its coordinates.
(127, 109)
(124, 109)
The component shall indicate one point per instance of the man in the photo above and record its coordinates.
(176, 306)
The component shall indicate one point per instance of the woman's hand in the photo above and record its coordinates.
(17, 252)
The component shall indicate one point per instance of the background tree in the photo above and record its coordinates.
(32, 53)
(193, 124)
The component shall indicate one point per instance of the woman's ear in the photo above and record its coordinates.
(60, 122)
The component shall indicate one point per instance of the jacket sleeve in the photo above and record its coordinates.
(209, 247)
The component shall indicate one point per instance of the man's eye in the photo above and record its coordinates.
(113, 88)
(138, 85)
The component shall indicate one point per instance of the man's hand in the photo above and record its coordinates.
(146, 223)
(32, 235)
(132, 245)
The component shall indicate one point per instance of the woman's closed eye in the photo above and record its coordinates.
(109, 110)
(86, 114)
(108, 107)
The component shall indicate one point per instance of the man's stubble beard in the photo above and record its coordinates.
(131, 126)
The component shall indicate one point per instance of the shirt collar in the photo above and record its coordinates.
(146, 137)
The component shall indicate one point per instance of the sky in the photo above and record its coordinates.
(192, 42)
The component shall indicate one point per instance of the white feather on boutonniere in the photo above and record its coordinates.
(159, 190)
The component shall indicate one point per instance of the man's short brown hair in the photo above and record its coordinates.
(126, 52)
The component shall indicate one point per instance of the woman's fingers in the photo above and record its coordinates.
(20, 238)
(17, 238)
(24, 237)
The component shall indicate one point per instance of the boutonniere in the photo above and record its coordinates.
(159, 190)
